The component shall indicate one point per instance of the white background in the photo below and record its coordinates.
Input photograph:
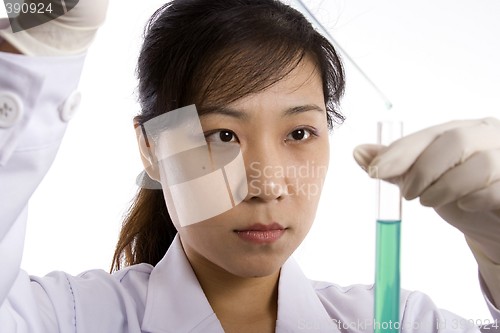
(435, 60)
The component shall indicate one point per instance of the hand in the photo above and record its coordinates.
(454, 168)
(71, 33)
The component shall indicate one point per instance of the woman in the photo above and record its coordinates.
(263, 81)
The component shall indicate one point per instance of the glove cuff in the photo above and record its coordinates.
(489, 272)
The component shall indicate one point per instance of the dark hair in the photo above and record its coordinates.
(208, 53)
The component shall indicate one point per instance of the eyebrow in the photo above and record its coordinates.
(302, 109)
(222, 110)
(230, 112)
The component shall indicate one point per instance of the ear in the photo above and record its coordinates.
(146, 149)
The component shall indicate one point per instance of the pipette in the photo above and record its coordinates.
(387, 269)
(300, 6)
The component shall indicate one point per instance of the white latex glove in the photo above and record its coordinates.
(454, 168)
(71, 33)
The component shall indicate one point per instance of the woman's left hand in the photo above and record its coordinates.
(454, 168)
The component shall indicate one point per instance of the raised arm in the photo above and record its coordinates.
(37, 98)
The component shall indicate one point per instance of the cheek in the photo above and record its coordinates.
(170, 207)
(306, 186)
(204, 240)
(307, 176)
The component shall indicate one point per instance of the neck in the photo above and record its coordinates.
(238, 301)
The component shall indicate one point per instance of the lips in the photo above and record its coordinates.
(263, 227)
(261, 233)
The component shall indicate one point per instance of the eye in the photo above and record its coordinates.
(300, 134)
(221, 136)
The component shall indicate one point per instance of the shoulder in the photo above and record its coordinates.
(354, 300)
(128, 285)
(132, 273)
(110, 299)
(361, 293)
(353, 305)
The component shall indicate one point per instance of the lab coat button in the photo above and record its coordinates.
(70, 106)
(11, 109)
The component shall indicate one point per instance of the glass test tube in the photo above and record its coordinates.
(387, 269)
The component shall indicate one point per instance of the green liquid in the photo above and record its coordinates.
(387, 277)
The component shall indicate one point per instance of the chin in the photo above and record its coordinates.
(258, 268)
(257, 273)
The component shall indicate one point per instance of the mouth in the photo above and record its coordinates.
(261, 233)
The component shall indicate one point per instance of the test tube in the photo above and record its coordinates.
(387, 265)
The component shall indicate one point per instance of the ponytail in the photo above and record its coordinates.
(147, 231)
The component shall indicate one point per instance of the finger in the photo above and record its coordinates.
(476, 173)
(364, 154)
(403, 153)
(451, 148)
(486, 199)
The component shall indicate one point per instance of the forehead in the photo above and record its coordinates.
(301, 85)
(244, 68)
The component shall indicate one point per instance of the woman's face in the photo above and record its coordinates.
(283, 135)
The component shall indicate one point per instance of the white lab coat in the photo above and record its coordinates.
(162, 299)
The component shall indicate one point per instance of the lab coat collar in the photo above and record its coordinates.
(299, 307)
(176, 302)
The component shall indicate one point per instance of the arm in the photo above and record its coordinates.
(34, 89)
(94, 301)
(36, 98)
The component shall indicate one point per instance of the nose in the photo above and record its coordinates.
(266, 173)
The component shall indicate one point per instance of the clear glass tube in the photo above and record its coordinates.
(388, 194)
(387, 266)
